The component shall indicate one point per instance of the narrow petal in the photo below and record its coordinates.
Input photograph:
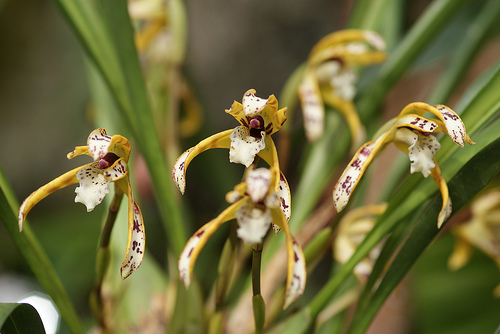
(296, 272)
(355, 170)
(348, 111)
(79, 150)
(258, 184)
(270, 155)
(253, 222)
(98, 143)
(443, 188)
(62, 181)
(454, 125)
(354, 47)
(219, 140)
(194, 245)
(312, 107)
(136, 238)
(93, 186)
(418, 122)
(285, 197)
(244, 147)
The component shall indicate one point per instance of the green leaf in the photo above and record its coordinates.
(35, 256)
(471, 178)
(20, 318)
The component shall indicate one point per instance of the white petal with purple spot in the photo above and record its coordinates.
(421, 150)
(253, 222)
(135, 253)
(98, 143)
(253, 104)
(258, 182)
(244, 147)
(93, 187)
(454, 125)
(298, 280)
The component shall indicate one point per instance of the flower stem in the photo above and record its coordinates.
(259, 308)
(103, 257)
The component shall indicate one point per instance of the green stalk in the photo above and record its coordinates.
(259, 308)
(103, 257)
(36, 258)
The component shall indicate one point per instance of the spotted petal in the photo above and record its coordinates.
(454, 125)
(194, 245)
(258, 184)
(60, 182)
(136, 238)
(244, 147)
(312, 107)
(421, 149)
(284, 197)
(219, 140)
(98, 143)
(253, 222)
(93, 186)
(296, 263)
(355, 170)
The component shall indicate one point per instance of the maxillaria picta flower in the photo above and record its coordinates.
(352, 230)
(482, 231)
(330, 78)
(110, 154)
(413, 134)
(259, 118)
(256, 205)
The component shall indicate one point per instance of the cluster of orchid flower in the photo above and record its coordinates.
(262, 200)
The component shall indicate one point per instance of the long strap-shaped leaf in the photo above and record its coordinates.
(33, 253)
(471, 178)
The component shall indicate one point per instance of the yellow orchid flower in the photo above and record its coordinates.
(414, 135)
(481, 231)
(110, 154)
(258, 118)
(256, 204)
(352, 230)
(330, 78)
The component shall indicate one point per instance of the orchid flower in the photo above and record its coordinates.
(481, 231)
(110, 154)
(352, 230)
(256, 204)
(330, 78)
(259, 118)
(414, 135)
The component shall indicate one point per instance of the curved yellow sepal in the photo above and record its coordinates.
(60, 182)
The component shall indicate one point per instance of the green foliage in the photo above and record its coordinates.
(20, 318)
(125, 100)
